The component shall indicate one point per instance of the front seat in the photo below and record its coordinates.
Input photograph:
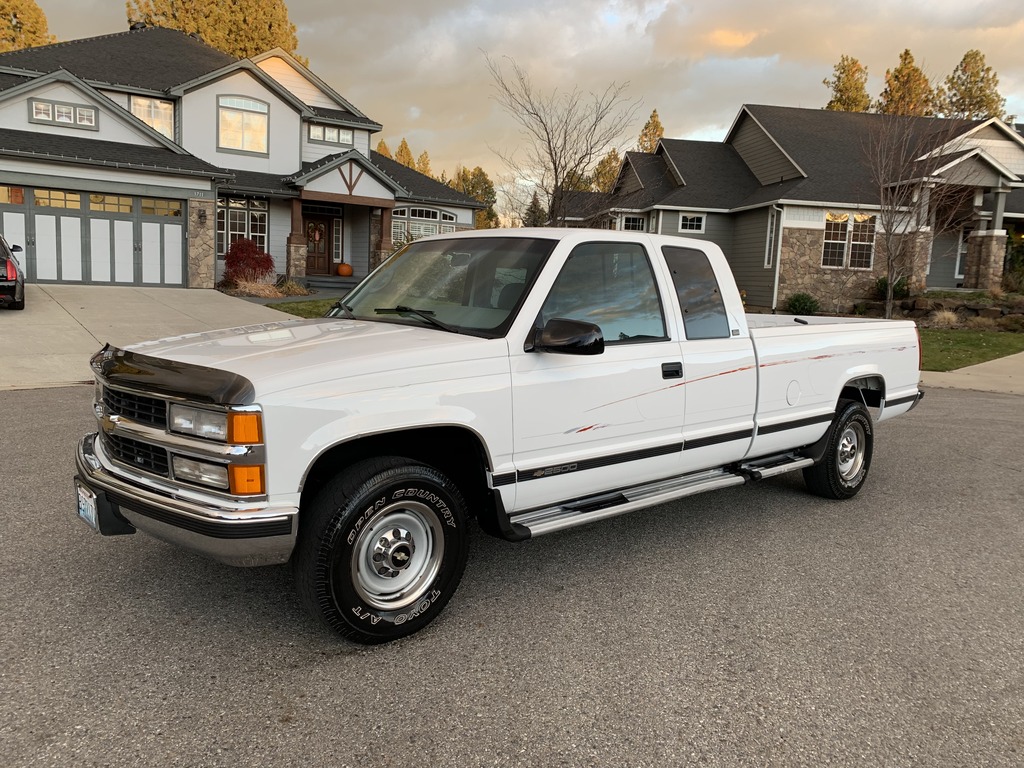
(509, 295)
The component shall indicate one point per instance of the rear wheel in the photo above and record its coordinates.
(382, 549)
(18, 304)
(844, 468)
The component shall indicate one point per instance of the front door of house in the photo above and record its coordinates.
(318, 248)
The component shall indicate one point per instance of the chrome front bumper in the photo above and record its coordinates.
(238, 534)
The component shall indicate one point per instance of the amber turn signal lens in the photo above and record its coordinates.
(246, 480)
(244, 428)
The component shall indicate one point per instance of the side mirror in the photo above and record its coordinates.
(15, 249)
(568, 337)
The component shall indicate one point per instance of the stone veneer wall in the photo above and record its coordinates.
(202, 243)
(376, 236)
(296, 264)
(985, 253)
(837, 290)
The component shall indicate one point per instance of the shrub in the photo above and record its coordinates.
(246, 263)
(802, 304)
(1014, 323)
(900, 289)
(982, 323)
(292, 288)
(944, 318)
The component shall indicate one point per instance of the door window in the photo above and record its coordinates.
(612, 286)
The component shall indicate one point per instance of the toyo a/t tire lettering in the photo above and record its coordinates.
(382, 549)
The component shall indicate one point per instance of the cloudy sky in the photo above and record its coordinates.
(418, 66)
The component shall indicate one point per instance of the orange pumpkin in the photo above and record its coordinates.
(345, 270)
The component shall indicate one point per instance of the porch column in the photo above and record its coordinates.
(296, 269)
(984, 268)
(1000, 207)
(385, 234)
(202, 243)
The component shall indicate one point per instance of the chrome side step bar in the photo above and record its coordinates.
(614, 503)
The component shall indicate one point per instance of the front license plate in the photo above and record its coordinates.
(87, 506)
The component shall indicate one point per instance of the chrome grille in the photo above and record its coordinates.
(138, 408)
(135, 453)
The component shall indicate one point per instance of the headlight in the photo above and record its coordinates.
(212, 425)
(201, 472)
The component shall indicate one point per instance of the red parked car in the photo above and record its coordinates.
(12, 277)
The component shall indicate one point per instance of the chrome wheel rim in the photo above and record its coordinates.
(397, 555)
(850, 452)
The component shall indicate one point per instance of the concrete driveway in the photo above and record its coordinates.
(49, 343)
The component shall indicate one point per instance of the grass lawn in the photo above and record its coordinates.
(944, 350)
(947, 350)
(308, 308)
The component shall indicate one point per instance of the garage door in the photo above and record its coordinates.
(78, 237)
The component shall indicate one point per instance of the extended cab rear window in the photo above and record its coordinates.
(700, 299)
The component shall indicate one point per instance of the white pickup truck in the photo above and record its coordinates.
(533, 379)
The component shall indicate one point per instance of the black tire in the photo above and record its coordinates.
(381, 549)
(844, 468)
(18, 304)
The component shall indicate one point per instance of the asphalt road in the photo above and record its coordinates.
(752, 626)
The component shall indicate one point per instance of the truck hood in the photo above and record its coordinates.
(296, 353)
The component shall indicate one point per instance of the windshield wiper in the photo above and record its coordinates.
(339, 304)
(425, 315)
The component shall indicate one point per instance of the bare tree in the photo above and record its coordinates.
(907, 161)
(565, 133)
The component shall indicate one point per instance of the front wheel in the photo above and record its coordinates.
(844, 468)
(382, 549)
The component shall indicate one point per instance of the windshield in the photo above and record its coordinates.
(471, 285)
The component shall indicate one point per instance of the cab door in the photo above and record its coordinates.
(586, 424)
(719, 366)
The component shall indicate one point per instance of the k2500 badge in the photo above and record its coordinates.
(561, 470)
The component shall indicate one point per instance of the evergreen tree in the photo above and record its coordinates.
(241, 28)
(22, 25)
(972, 91)
(650, 134)
(382, 149)
(535, 215)
(423, 164)
(404, 156)
(849, 86)
(607, 171)
(478, 185)
(907, 90)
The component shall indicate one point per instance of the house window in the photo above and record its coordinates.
(961, 251)
(338, 245)
(238, 218)
(691, 223)
(403, 231)
(12, 195)
(57, 113)
(634, 223)
(330, 134)
(849, 240)
(158, 114)
(242, 124)
(154, 207)
(110, 203)
(771, 241)
(55, 198)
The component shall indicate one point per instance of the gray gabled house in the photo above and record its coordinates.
(791, 198)
(138, 158)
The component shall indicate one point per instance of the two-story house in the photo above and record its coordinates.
(793, 197)
(137, 158)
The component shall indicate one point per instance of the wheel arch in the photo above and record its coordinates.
(456, 451)
(868, 389)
